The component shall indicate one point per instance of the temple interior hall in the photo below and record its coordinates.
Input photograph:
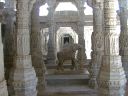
(63, 47)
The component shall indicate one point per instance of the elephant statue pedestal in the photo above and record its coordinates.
(71, 72)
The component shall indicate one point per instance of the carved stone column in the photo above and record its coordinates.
(97, 43)
(23, 76)
(3, 86)
(123, 4)
(37, 49)
(81, 39)
(111, 78)
(51, 57)
(9, 43)
(9, 39)
(6, 16)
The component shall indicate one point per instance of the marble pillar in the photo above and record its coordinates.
(111, 78)
(9, 44)
(123, 5)
(9, 39)
(97, 43)
(51, 57)
(23, 76)
(81, 39)
(37, 49)
(3, 85)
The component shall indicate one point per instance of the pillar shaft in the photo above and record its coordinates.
(23, 76)
(97, 42)
(111, 79)
(123, 4)
(9, 44)
(81, 39)
(51, 58)
(3, 86)
(81, 26)
(37, 49)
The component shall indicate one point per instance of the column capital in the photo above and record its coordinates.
(123, 4)
(38, 3)
(97, 4)
(51, 3)
(30, 4)
(82, 8)
(2, 5)
(10, 12)
(81, 23)
(51, 9)
(2, 12)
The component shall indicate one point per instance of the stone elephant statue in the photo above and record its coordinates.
(69, 53)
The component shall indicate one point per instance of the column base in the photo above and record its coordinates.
(24, 82)
(111, 79)
(52, 62)
(3, 89)
(40, 69)
(8, 65)
(51, 57)
(41, 85)
(94, 69)
(93, 76)
(93, 83)
(125, 65)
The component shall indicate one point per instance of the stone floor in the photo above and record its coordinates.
(69, 84)
(72, 91)
(69, 91)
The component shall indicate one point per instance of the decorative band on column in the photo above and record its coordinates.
(26, 83)
(24, 60)
(112, 61)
